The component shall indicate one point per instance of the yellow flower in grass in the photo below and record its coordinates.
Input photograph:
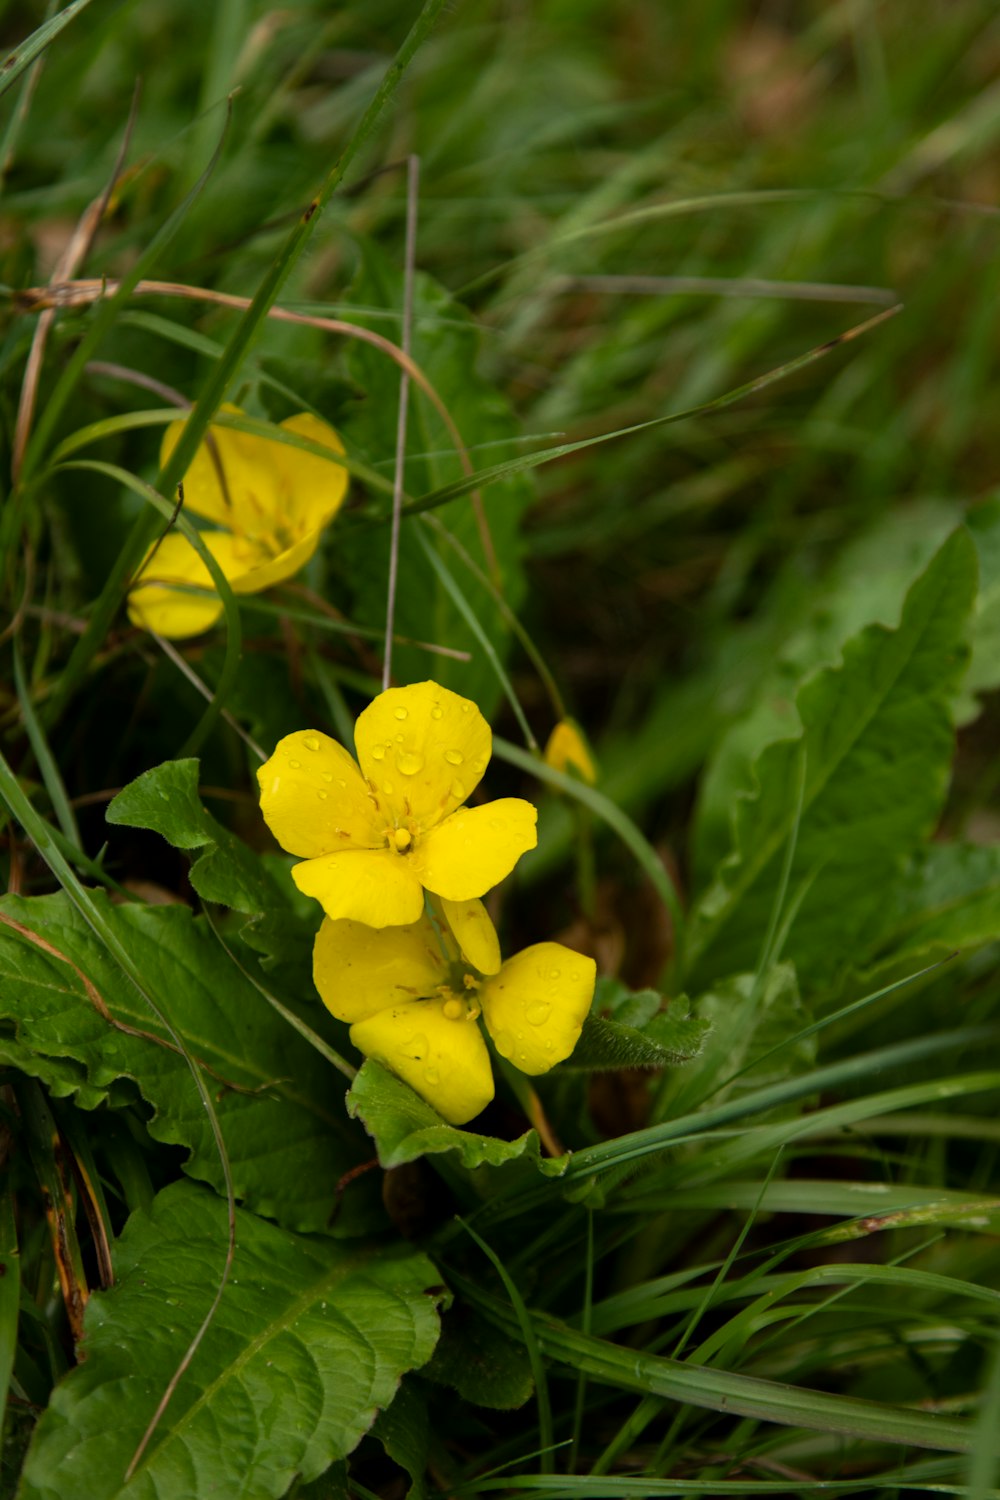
(270, 502)
(374, 834)
(413, 996)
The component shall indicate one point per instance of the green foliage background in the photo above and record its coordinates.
(709, 293)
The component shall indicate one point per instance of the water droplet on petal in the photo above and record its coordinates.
(437, 711)
(432, 1076)
(555, 973)
(457, 790)
(387, 788)
(466, 708)
(537, 1013)
(453, 757)
(340, 782)
(399, 739)
(378, 752)
(295, 764)
(311, 742)
(496, 822)
(322, 795)
(408, 762)
(401, 714)
(548, 1046)
(415, 1046)
(326, 776)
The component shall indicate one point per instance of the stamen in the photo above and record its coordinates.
(402, 839)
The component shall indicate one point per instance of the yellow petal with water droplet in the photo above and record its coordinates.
(536, 1005)
(444, 1061)
(290, 782)
(474, 849)
(372, 886)
(475, 934)
(428, 726)
(361, 970)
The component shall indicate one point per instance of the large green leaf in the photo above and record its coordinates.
(866, 585)
(404, 1127)
(855, 791)
(280, 1105)
(445, 345)
(309, 1341)
(949, 901)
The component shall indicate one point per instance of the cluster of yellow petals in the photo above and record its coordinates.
(269, 502)
(567, 750)
(413, 997)
(376, 834)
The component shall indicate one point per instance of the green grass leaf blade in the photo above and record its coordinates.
(33, 46)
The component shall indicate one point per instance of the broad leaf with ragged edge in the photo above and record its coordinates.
(446, 346)
(165, 800)
(404, 1433)
(404, 1127)
(635, 1029)
(279, 1103)
(869, 771)
(867, 585)
(479, 1362)
(309, 1342)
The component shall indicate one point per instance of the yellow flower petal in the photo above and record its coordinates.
(474, 849)
(269, 570)
(567, 749)
(535, 1006)
(315, 800)
(176, 612)
(372, 886)
(361, 970)
(425, 748)
(474, 933)
(312, 488)
(444, 1061)
(232, 479)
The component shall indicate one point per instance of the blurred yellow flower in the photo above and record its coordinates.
(270, 502)
(413, 996)
(373, 839)
(567, 749)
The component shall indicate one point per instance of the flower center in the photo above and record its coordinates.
(401, 838)
(459, 1007)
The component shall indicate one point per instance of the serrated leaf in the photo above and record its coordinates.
(165, 800)
(310, 1340)
(606, 1044)
(404, 1127)
(279, 1103)
(872, 760)
(866, 585)
(948, 901)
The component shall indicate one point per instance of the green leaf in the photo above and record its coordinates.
(747, 1022)
(33, 46)
(605, 1044)
(402, 1429)
(445, 345)
(309, 1341)
(474, 1358)
(404, 1128)
(874, 749)
(278, 1102)
(984, 668)
(165, 800)
(948, 901)
(867, 585)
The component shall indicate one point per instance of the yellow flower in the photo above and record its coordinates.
(270, 501)
(413, 996)
(373, 839)
(567, 748)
